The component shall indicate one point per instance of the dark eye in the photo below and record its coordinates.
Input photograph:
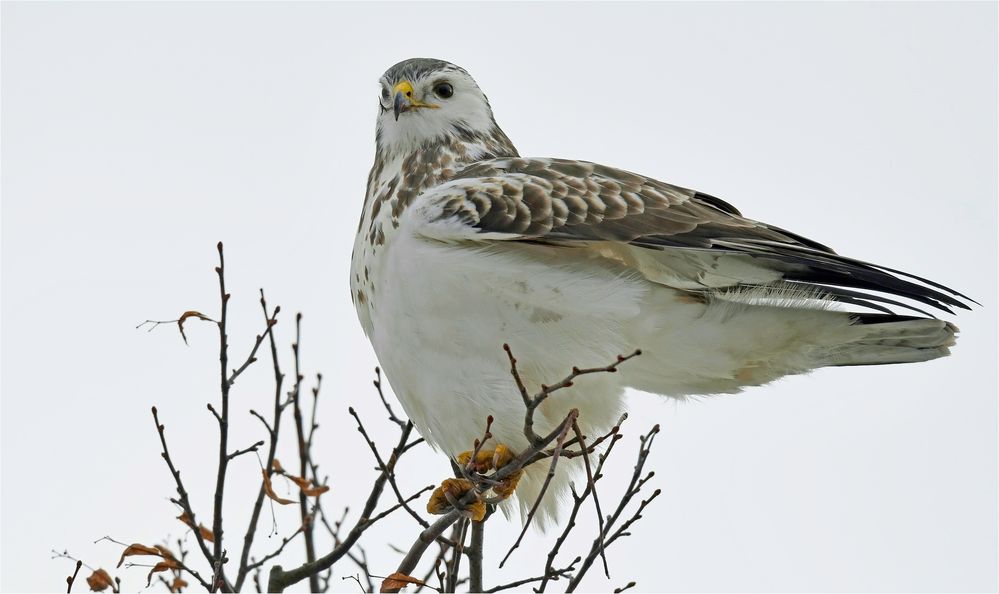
(444, 90)
(385, 93)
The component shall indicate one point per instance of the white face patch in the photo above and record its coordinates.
(465, 110)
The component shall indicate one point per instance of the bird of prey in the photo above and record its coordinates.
(463, 245)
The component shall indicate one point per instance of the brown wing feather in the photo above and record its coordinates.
(561, 201)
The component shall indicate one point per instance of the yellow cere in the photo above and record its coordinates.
(406, 88)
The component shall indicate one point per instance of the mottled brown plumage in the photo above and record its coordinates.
(463, 246)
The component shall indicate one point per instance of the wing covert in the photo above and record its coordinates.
(578, 203)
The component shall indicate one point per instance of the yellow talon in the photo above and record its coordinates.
(453, 490)
(507, 486)
(502, 456)
(483, 460)
(486, 460)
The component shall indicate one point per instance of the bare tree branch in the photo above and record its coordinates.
(272, 432)
(303, 453)
(464, 504)
(184, 500)
(280, 579)
(72, 578)
(475, 555)
(382, 466)
(634, 487)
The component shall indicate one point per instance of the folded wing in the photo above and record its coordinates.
(675, 236)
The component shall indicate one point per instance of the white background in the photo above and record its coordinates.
(135, 136)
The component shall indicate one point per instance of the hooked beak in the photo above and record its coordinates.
(398, 104)
(405, 101)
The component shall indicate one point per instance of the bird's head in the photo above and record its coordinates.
(423, 101)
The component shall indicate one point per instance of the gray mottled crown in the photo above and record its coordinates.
(416, 68)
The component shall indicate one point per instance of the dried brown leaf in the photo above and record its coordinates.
(276, 465)
(178, 584)
(190, 314)
(302, 483)
(138, 549)
(269, 489)
(206, 534)
(399, 580)
(161, 566)
(186, 519)
(316, 491)
(99, 581)
(164, 552)
(306, 486)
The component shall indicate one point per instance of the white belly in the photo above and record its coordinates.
(442, 313)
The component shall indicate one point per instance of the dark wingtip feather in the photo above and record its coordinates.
(825, 268)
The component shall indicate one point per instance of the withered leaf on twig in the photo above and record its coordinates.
(138, 549)
(316, 491)
(161, 566)
(301, 482)
(99, 581)
(276, 465)
(398, 580)
(306, 486)
(164, 552)
(190, 314)
(206, 534)
(178, 584)
(269, 489)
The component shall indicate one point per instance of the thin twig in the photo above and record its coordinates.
(593, 486)
(427, 536)
(272, 433)
(391, 476)
(403, 503)
(252, 448)
(223, 421)
(566, 424)
(280, 579)
(554, 575)
(304, 455)
(381, 395)
(184, 500)
(72, 578)
(457, 553)
(634, 487)
(268, 557)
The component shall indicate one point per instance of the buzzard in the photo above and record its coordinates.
(463, 245)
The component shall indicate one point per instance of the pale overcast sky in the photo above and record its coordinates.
(137, 135)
